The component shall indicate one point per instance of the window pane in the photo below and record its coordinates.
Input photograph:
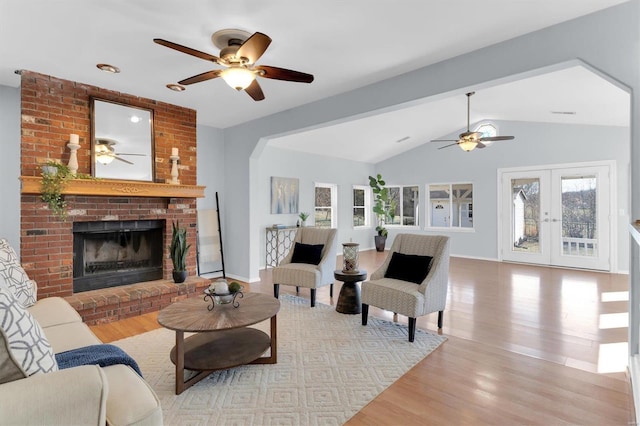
(323, 217)
(358, 197)
(358, 216)
(394, 197)
(410, 203)
(526, 215)
(579, 232)
(439, 198)
(323, 197)
(462, 205)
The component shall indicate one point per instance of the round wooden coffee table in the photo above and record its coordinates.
(223, 339)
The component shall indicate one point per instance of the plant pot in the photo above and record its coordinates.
(380, 242)
(179, 276)
(50, 170)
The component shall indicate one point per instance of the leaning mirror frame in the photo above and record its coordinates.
(122, 141)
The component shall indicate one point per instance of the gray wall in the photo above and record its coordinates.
(611, 49)
(10, 165)
(536, 144)
(311, 169)
(210, 145)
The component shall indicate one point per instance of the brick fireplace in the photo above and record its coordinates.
(51, 110)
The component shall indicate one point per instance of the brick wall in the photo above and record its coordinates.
(52, 109)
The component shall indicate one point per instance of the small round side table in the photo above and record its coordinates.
(349, 299)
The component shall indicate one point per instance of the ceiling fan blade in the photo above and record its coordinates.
(480, 145)
(447, 146)
(254, 47)
(284, 74)
(187, 50)
(444, 140)
(125, 153)
(497, 138)
(201, 77)
(255, 91)
(123, 160)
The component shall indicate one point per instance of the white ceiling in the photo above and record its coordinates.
(344, 44)
(593, 99)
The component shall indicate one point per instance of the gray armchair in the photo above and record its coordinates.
(308, 275)
(417, 298)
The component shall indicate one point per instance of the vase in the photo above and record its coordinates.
(179, 276)
(350, 258)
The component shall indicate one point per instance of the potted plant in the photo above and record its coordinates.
(178, 250)
(303, 218)
(54, 177)
(384, 208)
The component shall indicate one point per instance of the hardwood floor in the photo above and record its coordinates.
(526, 345)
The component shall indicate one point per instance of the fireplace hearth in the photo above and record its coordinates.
(115, 253)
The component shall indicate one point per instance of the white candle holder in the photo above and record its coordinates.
(174, 170)
(73, 146)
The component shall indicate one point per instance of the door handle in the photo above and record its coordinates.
(555, 220)
(546, 220)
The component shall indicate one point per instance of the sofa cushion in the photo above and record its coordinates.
(14, 277)
(52, 311)
(66, 337)
(23, 337)
(126, 386)
(307, 253)
(408, 267)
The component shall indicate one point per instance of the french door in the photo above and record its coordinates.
(558, 216)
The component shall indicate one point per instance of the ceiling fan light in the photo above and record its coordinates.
(468, 145)
(105, 158)
(238, 78)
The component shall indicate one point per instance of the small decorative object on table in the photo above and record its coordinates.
(350, 258)
(303, 218)
(222, 293)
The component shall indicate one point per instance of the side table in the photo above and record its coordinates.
(349, 299)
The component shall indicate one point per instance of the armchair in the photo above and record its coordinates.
(413, 299)
(308, 275)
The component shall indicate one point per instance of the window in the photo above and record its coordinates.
(450, 205)
(361, 206)
(488, 130)
(326, 205)
(407, 201)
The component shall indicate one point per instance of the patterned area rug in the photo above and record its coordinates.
(329, 367)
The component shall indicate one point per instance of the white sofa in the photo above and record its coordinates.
(84, 395)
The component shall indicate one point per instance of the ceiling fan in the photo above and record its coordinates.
(469, 140)
(106, 153)
(239, 52)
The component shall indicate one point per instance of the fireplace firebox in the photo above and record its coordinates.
(115, 253)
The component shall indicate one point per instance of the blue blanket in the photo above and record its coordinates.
(102, 355)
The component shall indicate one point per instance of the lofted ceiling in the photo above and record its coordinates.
(345, 45)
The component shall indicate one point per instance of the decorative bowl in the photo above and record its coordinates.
(222, 298)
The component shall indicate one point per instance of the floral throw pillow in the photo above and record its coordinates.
(23, 337)
(14, 277)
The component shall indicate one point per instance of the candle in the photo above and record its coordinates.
(74, 139)
(174, 152)
(222, 287)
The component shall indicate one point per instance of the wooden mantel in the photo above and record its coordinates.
(120, 188)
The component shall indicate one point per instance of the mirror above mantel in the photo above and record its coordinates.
(122, 143)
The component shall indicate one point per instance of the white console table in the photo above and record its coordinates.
(278, 244)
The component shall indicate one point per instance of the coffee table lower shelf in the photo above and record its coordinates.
(220, 350)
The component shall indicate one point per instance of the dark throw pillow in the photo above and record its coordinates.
(408, 267)
(307, 253)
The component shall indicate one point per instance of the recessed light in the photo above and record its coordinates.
(134, 119)
(108, 68)
(176, 87)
